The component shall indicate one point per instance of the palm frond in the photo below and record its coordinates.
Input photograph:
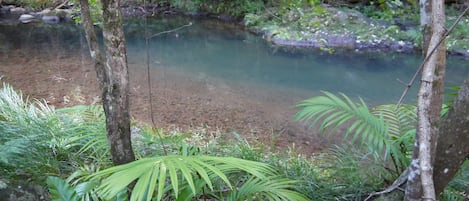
(27, 130)
(87, 130)
(385, 130)
(336, 111)
(159, 174)
(60, 190)
(271, 188)
(400, 118)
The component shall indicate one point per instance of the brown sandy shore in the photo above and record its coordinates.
(181, 102)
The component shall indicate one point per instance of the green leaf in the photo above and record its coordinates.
(60, 190)
(196, 172)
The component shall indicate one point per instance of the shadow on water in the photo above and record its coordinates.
(213, 73)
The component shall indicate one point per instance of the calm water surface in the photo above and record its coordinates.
(214, 50)
(224, 55)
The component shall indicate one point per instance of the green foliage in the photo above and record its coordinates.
(95, 11)
(87, 131)
(188, 177)
(349, 174)
(36, 140)
(386, 130)
(457, 189)
(26, 130)
(391, 9)
(38, 4)
(60, 190)
(234, 8)
(270, 188)
(459, 38)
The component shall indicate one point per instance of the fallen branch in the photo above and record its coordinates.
(395, 185)
(61, 5)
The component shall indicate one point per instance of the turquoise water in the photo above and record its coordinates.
(227, 55)
(223, 51)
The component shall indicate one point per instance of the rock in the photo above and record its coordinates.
(50, 19)
(63, 14)
(26, 192)
(44, 12)
(5, 10)
(25, 18)
(17, 10)
(3, 185)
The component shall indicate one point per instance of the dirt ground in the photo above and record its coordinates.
(180, 102)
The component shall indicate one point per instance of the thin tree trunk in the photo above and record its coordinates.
(413, 189)
(113, 78)
(420, 181)
(92, 40)
(453, 145)
(116, 99)
(425, 23)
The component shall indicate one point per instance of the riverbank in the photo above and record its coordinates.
(320, 26)
(326, 27)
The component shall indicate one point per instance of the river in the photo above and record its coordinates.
(211, 77)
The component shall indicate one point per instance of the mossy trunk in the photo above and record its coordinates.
(116, 95)
(113, 77)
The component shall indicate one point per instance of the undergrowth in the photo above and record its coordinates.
(38, 141)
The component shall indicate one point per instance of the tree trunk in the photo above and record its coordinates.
(116, 95)
(420, 181)
(453, 145)
(93, 46)
(425, 23)
(113, 78)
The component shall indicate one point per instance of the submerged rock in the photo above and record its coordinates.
(17, 10)
(26, 18)
(50, 19)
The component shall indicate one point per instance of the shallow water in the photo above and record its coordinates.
(210, 49)
(213, 50)
(210, 75)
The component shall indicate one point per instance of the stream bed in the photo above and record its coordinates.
(211, 77)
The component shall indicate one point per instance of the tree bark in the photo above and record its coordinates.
(113, 78)
(116, 96)
(93, 45)
(453, 145)
(420, 181)
(425, 23)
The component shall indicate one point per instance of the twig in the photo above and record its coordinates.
(395, 185)
(169, 31)
(60, 5)
(427, 57)
(147, 48)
